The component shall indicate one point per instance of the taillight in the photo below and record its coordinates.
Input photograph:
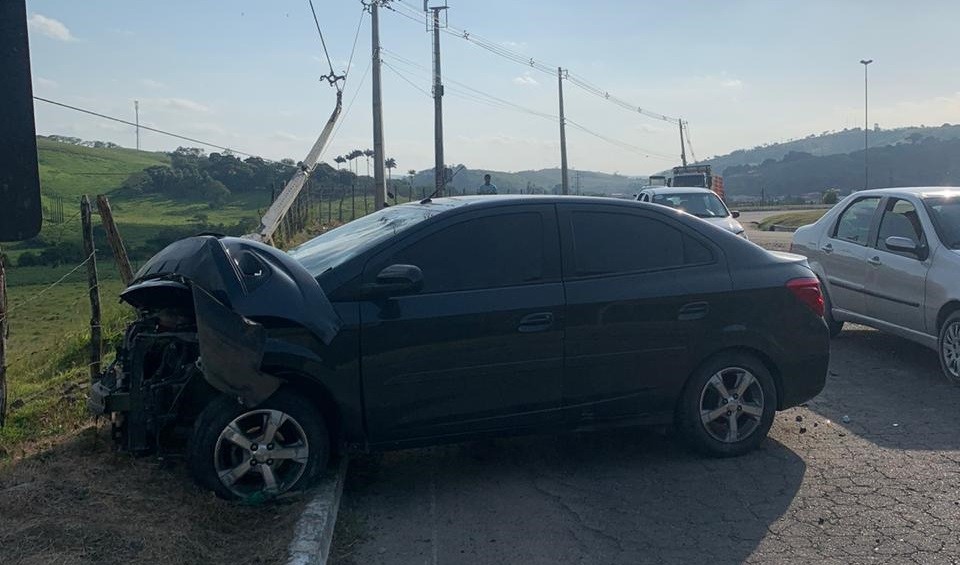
(807, 290)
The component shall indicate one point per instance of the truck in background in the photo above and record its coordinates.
(699, 176)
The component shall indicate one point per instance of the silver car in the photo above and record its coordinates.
(699, 202)
(890, 259)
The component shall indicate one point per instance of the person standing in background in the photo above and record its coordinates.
(487, 187)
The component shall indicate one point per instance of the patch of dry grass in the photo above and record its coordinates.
(80, 502)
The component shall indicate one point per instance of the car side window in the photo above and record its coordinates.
(854, 223)
(899, 219)
(490, 252)
(615, 243)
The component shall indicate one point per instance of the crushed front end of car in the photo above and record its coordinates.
(196, 338)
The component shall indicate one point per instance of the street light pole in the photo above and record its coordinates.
(866, 121)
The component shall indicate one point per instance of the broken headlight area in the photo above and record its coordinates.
(155, 387)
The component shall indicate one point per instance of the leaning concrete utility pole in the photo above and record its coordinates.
(564, 178)
(439, 168)
(683, 148)
(379, 179)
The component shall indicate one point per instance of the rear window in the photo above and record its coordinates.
(854, 223)
(612, 243)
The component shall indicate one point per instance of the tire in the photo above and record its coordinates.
(948, 348)
(703, 417)
(230, 441)
(834, 326)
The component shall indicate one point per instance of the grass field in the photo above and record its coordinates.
(792, 219)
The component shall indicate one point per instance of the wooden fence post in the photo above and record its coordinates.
(116, 242)
(96, 345)
(3, 343)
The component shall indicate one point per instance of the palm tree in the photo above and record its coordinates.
(368, 153)
(390, 164)
(412, 173)
(339, 160)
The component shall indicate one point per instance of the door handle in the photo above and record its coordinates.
(827, 248)
(693, 311)
(875, 261)
(537, 322)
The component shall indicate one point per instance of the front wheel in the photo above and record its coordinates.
(250, 453)
(949, 348)
(728, 405)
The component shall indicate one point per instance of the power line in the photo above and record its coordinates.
(405, 79)
(155, 130)
(549, 69)
(476, 95)
(332, 78)
(347, 109)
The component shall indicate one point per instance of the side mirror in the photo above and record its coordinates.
(395, 280)
(735, 213)
(902, 245)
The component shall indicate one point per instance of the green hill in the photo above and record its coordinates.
(146, 221)
(831, 143)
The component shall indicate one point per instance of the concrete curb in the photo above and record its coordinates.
(314, 533)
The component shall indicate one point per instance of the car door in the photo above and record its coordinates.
(895, 279)
(481, 346)
(640, 287)
(844, 251)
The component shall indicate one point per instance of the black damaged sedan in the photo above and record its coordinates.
(456, 318)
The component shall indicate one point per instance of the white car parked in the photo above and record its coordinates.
(890, 259)
(699, 202)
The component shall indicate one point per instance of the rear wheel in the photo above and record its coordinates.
(949, 348)
(728, 405)
(250, 453)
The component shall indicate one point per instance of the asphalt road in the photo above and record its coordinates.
(868, 472)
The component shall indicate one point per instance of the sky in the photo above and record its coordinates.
(245, 74)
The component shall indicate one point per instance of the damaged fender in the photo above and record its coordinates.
(231, 351)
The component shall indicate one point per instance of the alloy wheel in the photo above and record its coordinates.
(950, 350)
(731, 405)
(261, 451)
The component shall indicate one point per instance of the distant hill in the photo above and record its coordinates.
(831, 143)
(930, 161)
(539, 181)
(69, 170)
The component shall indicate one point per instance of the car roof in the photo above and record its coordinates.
(676, 190)
(479, 201)
(918, 191)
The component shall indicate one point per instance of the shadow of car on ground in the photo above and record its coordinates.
(623, 497)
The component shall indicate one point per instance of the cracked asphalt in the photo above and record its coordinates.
(882, 488)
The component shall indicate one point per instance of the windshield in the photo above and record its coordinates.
(699, 204)
(945, 213)
(333, 248)
(697, 180)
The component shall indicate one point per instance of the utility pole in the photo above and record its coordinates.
(683, 147)
(379, 180)
(564, 179)
(136, 111)
(866, 121)
(439, 167)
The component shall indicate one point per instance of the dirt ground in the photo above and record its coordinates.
(79, 502)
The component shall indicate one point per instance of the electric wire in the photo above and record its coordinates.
(323, 43)
(519, 58)
(477, 95)
(156, 130)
